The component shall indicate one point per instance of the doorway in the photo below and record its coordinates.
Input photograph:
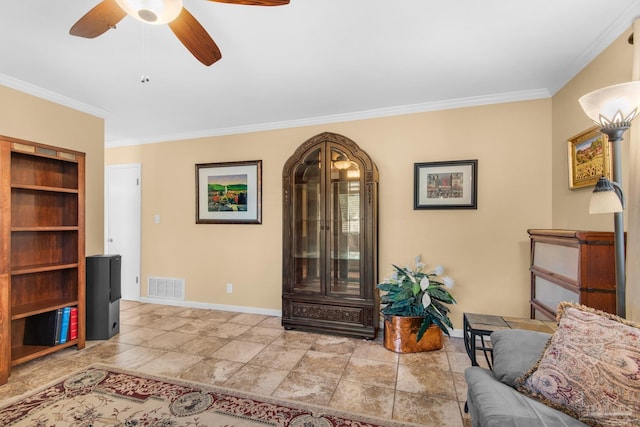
(122, 223)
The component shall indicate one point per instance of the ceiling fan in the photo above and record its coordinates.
(187, 29)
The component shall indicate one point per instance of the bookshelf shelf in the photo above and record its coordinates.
(42, 254)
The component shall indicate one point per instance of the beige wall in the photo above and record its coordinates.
(28, 117)
(484, 250)
(571, 207)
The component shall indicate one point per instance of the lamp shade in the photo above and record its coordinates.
(612, 105)
(152, 11)
(604, 198)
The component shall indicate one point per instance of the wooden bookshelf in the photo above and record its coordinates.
(42, 243)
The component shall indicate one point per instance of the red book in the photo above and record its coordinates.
(73, 324)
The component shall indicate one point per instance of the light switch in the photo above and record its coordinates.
(156, 218)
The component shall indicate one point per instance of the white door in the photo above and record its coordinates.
(122, 226)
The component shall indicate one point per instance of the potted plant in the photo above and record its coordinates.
(415, 308)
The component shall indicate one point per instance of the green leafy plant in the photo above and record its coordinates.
(418, 293)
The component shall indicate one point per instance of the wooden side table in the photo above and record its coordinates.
(478, 326)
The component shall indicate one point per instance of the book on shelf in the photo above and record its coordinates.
(64, 326)
(73, 324)
(43, 328)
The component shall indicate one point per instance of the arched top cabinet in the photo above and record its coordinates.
(330, 191)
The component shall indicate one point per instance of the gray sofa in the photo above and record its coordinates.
(491, 397)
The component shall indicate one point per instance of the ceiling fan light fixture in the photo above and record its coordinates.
(155, 12)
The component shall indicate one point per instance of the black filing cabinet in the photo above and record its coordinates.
(103, 291)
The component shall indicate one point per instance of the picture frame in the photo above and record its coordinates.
(446, 185)
(589, 158)
(229, 192)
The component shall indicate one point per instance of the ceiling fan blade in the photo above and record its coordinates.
(256, 2)
(195, 38)
(98, 20)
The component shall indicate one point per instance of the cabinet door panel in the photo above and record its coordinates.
(559, 259)
(550, 294)
(346, 230)
(307, 218)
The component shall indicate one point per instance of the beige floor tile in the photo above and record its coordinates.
(194, 313)
(141, 320)
(143, 308)
(198, 326)
(334, 344)
(169, 310)
(257, 379)
(261, 334)
(227, 330)
(202, 346)
(459, 361)
(248, 319)
(126, 304)
(322, 364)
(211, 371)
(221, 316)
(271, 322)
(461, 386)
(169, 340)
(168, 323)
(138, 336)
(372, 350)
(170, 364)
(426, 380)
(296, 339)
(134, 358)
(372, 372)
(432, 359)
(125, 329)
(99, 353)
(276, 356)
(425, 410)
(238, 351)
(363, 398)
(455, 345)
(306, 388)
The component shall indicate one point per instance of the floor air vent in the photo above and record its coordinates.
(166, 288)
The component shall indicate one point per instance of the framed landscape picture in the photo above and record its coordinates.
(589, 158)
(229, 193)
(446, 185)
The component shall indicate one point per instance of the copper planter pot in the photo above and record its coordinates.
(400, 335)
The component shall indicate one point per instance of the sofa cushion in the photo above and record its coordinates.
(515, 351)
(590, 369)
(494, 404)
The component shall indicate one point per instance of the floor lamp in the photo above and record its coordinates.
(613, 108)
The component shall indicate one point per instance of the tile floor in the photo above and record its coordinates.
(254, 353)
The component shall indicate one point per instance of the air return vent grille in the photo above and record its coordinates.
(166, 288)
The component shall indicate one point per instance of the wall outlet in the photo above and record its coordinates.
(229, 288)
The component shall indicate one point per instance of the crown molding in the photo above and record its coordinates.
(346, 117)
(49, 95)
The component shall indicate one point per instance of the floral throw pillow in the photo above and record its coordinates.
(590, 368)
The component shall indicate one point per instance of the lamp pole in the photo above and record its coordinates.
(614, 133)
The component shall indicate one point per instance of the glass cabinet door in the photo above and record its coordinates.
(307, 217)
(345, 226)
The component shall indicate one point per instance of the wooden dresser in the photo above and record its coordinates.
(568, 265)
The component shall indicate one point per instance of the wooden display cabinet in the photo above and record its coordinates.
(42, 249)
(329, 271)
(568, 265)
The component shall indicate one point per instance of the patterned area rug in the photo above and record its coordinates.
(109, 397)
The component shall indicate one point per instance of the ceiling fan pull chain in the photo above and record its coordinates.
(145, 41)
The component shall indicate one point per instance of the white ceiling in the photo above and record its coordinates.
(312, 61)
